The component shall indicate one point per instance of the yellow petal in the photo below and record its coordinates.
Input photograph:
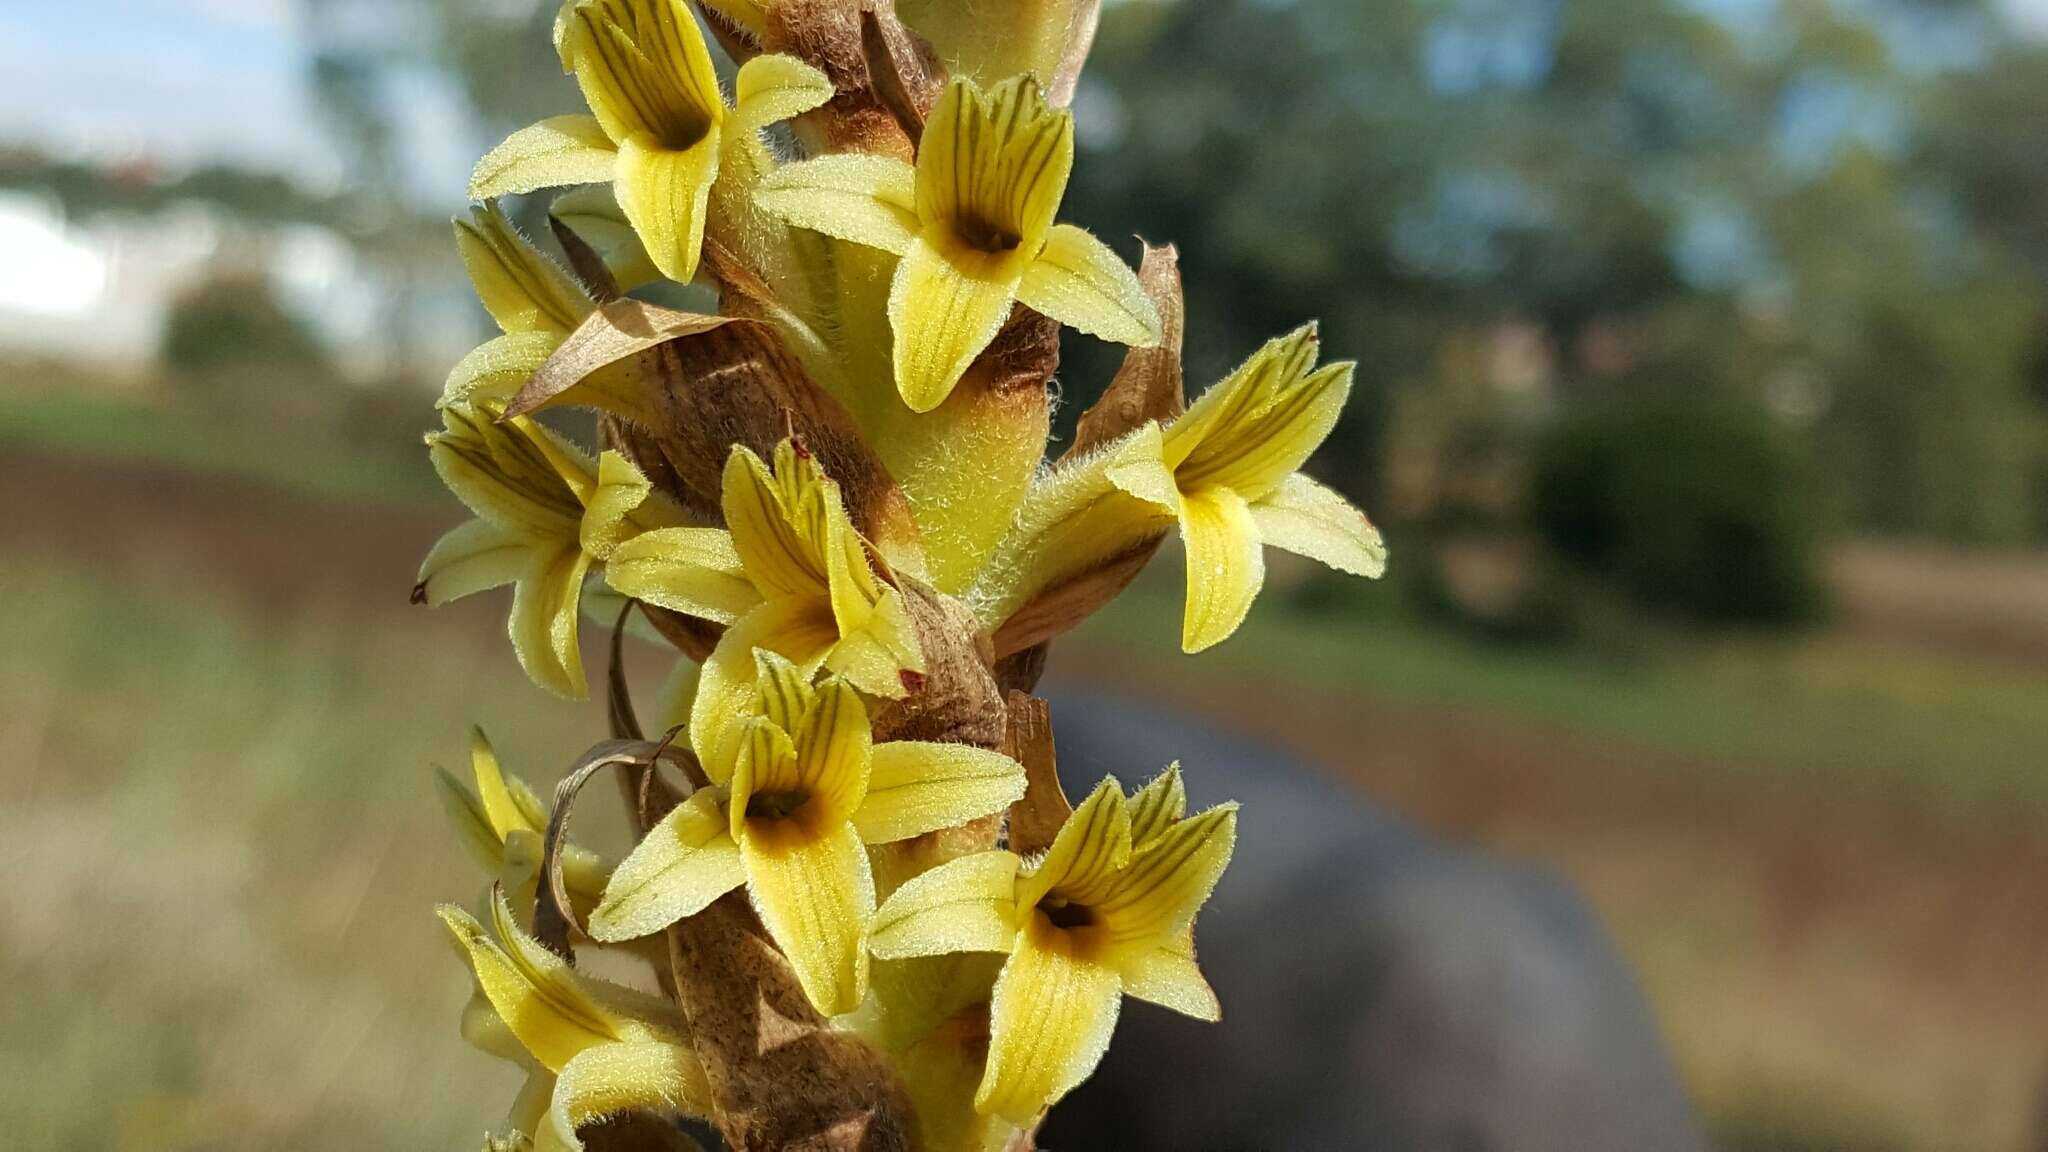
(509, 803)
(1078, 281)
(613, 1078)
(1263, 422)
(749, 16)
(1157, 806)
(863, 199)
(472, 557)
(815, 896)
(472, 827)
(528, 1112)
(783, 690)
(945, 306)
(522, 288)
(1049, 1024)
(544, 616)
(1091, 846)
(644, 71)
(874, 658)
(964, 905)
(1226, 566)
(694, 571)
(537, 996)
(1305, 518)
(916, 787)
(483, 1029)
(1168, 976)
(796, 627)
(777, 556)
(1166, 882)
(832, 743)
(1044, 38)
(559, 150)
(506, 473)
(764, 766)
(663, 193)
(992, 167)
(593, 213)
(622, 505)
(685, 861)
(497, 369)
(772, 88)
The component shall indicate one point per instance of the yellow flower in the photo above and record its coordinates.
(808, 792)
(789, 574)
(1106, 912)
(973, 223)
(1226, 471)
(533, 300)
(501, 822)
(1235, 456)
(658, 123)
(592, 1049)
(544, 512)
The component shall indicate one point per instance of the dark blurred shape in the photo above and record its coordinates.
(1695, 508)
(231, 349)
(1380, 990)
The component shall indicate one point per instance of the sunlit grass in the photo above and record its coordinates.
(222, 851)
(1869, 717)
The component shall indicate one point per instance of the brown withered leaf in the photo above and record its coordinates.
(554, 915)
(826, 34)
(955, 701)
(1027, 739)
(1019, 671)
(694, 386)
(692, 637)
(782, 1077)
(618, 695)
(904, 70)
(1149, 385)
(1066, 77)
(591, 271)
(1061, 606)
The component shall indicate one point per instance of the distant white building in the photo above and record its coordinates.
(99, 291)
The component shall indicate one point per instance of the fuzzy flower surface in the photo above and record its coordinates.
(973, 224)
(1106, 912)
(810, 790)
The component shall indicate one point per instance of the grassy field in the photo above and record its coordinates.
(221, 845)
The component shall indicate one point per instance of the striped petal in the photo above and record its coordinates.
(945, 306)
(695, 571)
(1226, 566)
(1049, 1024)
(815, 895)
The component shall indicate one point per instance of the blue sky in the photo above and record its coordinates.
(189, 80)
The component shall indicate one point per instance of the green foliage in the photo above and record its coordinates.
(1698, 509)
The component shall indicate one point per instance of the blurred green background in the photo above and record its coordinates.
(1703, 397)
